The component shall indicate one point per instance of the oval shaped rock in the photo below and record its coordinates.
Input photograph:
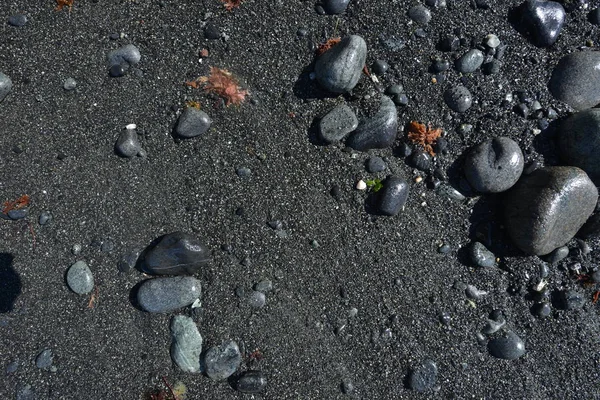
(576, 80)
(507, 346)
(543, 20)
(579, 142)
(5, 86)
(335, 6)
(393, 195)
(494, 165)
(470, 61)
(420, 14)
(423, 377)
(458, 98)
(128, 54)
(192, 122)
(187, 344)
(337, 124)
(546, 208)
(251, 382)
(177, 253)
(377, 132)
(161, 295)
(127, 144)
(481, 256)
(222, 361)
(339, 68)
(80, 278)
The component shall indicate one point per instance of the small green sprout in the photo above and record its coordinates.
(374, 184)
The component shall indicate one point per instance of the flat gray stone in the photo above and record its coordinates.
(5, 86)
(339, 68)
(494, 165)
(546, 208)
(337, 124)
(423, 377)
(187, 344)
(80, 278)
(222, 361)
(579, 142)
(377, 132)
(576, 80)
(162, 295)
(192, 122)
(128, 54)
(176, 253)
(470, 61)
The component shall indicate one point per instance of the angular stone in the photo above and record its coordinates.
(393, 195)
(161, 295)
(187, 344)
(339, 68)
(80, 278)
(177, 253)
(546, 208)
(576, 80)
(377, 132)
(5, 86)
(543, 20)
(222, 361)
(128, 144)
(337, 124)
(579, 142)
(192, 122)
(494, 165)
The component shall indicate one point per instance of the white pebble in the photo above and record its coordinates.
(131, 127)
(361, 185)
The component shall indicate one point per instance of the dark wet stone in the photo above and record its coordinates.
(473, 293)
(448, 191)
(80, 278)
(458, 98)
(177, 253)
(128, 261)
(591, 228)
(251, 382)
(337, 124)
(162, 295)
(222, 361)
(423, 377)
(492, 67)
(117, 70)
(393, 195)
(470, 61)
(570, 300)
(494, 165)
(339, 69)
(127, 144)
(187, 344)
(44, 359)
(449, 43)
(543, 20)
(212, 32)
(594, 16)
(481, 256)
(541, 310)
(45, 217)
(492, 326)
(576, 80)
(579, 142)
(507, 346)
(5, 86)
(377, 132)
(18, 214)
(335, 6)
(18, 20)
(420, 160)
(420, 14)
(546, 208)
(192, 122)
(394, 89)
(557, 255)
(243, 172)
(69, 84)
(375, 164)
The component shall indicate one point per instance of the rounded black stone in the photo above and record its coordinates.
(335, 6)
(541, 310)
(375, 164)
(458, 98)
(211, 32)
(177, 253)
(481, 256)
(420, 160)
(251, 382)
(507, 346)
(380, 67)
(543, 20)
(393, 195)
(117, 70)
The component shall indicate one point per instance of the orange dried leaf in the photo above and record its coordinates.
(231, 4)
(424, 135)
(222, 83)
(61, 3)
(21, 202)
(323, 47)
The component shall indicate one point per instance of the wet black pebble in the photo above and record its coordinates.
(557, 255)
(251, 382)
(211, 31)
(335, 6)
(420, 14)
(458, 98)
(570, 300)
(541, 310)
(393, 195)
(543, 20)
(420, 160)
(380, 67)
(117, 70)
(375, 164)
(594, 16)
(481, 256)
(508, 346)
(423, 377)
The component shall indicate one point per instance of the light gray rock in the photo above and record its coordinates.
(161, 295)
(579, 142)
(546, 208)
(128, 54)
(470, 61)
(187, 344)
(128, 144)
(80, 278)
(377, 132)
(5, 86)
(222, 361)
(576, 80)
(337, 124)
(339, 69)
